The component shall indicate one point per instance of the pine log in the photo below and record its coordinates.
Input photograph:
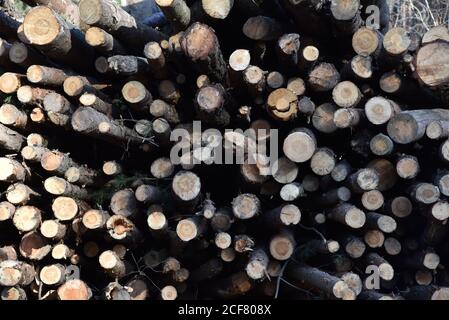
(103, 42)
(47, 76)
(60, 187)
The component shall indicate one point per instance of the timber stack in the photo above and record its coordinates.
(338, 191)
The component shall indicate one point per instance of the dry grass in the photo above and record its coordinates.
(419, 15)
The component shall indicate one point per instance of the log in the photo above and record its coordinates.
(103, 42)
(210, 101)
(57, 40)
(349, 215)
(137, 95)
(324, 77)
(10, 82)
(201, 47)
(60, 187)
(113, 19)
(47, 76)
(177, 12)
(262, 28)
(12, 171)
(11, 116)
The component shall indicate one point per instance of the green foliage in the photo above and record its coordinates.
(104, 194)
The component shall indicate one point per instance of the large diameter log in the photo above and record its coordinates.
(10, 139)
(410, 126)
(186, 187)
(200, 45)
(46, 30)
(110, 17)
(321, 282)
(431, 64)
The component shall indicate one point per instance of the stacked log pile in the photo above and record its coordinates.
(93, 205)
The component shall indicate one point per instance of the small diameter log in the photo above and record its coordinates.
(47, 31)
(33, 246)
(382, 222)
(93, 101)
(324, 77)
(297, 86)
(190, 228)
(156, 59)
(20, 194)
(10, 140)
(74, 86)
(282, 246)
(282, 104)
(7, 210)
(95, 219)
(38, 115)
(275, 80)
(367, 42)
(407, 167)
(161, 109)
(381, 145)
(379, 110)
(36, 139)
(11, 116)
(396, 42)
(12, 171)
(246, 206)
(54, 102)
(47, 76)
(353, 246)
(323, 118)
(410, 126)
(334, 196)
(346, 16)
(122, 229)
(24, 56)
(169, 91)
(53, 275)
(386, 271)
(425, 193)
(123, 202)
(13, 294)
(88, 121)
(112, 264)
(363, 180)
(74, 290)
(82, 175)
(112, 168)
(66, 209)
(255, 82)
(348, 215)
(177, 12)
(374, 238)
(353, 281)
(323, 161)
(148, 194)
(32, 96)
(292, 191)
(169, 293)
(14, 273)
(210, 101)
(10, 82)
(127, 65)
(60, 187)
(348, 118)
(227, 255)
(57, 162)
(103, 42)
(288, 49)
(346, 94)
(110, 17)
(286, 215)
(186, 188)
(201, 47)
(162, 168)
(300, 145)
(262, 28)
(284, 171)
(392, 246)
(217, 9)
(360, 68)
(320, 282)
(137, 95)
(243, 243)
(400, 207)
(257, 264)
(61, 252)
(437, 130)
(372, 200)
(223, 240)
(423, 259)
(386, 172)
(222, 220)
(27, 218)
(156, 221)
